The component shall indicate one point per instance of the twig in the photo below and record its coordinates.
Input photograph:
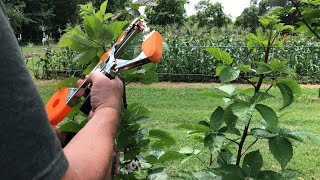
(303, 20)
(243, 77)
(244, 136)
(269, 88)
(233, 141)
(249, 146)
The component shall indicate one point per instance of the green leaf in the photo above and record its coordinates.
(149, 77)
(229, 89)
(219, 69)
(246, 68)
(170, 156)
(157, 174)
(281, 149)
(292, 84)
(269, 116)
(203, 175)
(69, 82)
(225, 157)
(70, 126)
(117, 27)
(220, 54)
(186, 150)
(306, 136)
(229, 74)
(243, 111)
(221, 92)
(229, 118)
(252, 163)
(195, 127)
(214, 142)
(165, 139)
(216, 119)
(103, 7)
(266, 175)
(287, 94)
(108, 16)
(86, 56)
(89, 69)
(261, 96)
(264, 68)
(232, 172)
(262, 133)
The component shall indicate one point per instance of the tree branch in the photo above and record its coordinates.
(249, 146)
(233, 141)
(303, 20)
(243, 77)
(244, 136)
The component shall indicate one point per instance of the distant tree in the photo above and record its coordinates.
(211, 15)
(167, 12)
(16, 15)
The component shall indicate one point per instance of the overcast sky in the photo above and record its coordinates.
(231, 7)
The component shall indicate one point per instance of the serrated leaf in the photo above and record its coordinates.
(262, 133)
(220, 54)
(165, 139)
(264, 68)
(306, 136)
(269, 116)
(243, 111)
(216, 119)
(292, 84)
(287, 95)
(261, 96)
(229, 89)
(281, 149)
(252, 163)
(232, 172)
(229, 118)
(225, 157)
(214, 142)
(69, 82)
(195, 127)
(246, 68)
(229, 74)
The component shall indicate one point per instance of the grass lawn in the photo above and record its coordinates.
(174, 104)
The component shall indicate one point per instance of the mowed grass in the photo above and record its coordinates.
(172, 104)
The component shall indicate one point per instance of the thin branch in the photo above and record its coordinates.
(249, 146)
(233, 141)
(245, 78)
(303, 20)
(244, 136)
(269, 88)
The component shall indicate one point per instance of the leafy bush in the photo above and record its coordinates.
(229, 128)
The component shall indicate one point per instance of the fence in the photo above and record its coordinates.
(192, 64)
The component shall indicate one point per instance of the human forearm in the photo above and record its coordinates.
(90, 151)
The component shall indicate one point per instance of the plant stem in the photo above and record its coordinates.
(211, 160)
(232, 141)
(244, 136)
(303, 20)
(249, 146)
(269, 88)
(201, 161)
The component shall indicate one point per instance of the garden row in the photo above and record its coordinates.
(185, 61)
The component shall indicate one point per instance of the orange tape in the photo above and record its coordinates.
(152, 47)
(56, 108)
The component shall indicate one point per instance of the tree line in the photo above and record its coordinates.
(32, 18)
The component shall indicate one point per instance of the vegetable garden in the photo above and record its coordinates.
(232, 131)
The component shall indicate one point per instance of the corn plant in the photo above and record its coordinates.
(231, 152)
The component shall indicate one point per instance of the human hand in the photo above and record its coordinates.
(105, 93)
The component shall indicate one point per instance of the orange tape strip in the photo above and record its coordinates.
(152, 47)
(56, 108)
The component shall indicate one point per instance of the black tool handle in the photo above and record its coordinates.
(86, 106)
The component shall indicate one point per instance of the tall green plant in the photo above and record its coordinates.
(142, 150)
(235, 128)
